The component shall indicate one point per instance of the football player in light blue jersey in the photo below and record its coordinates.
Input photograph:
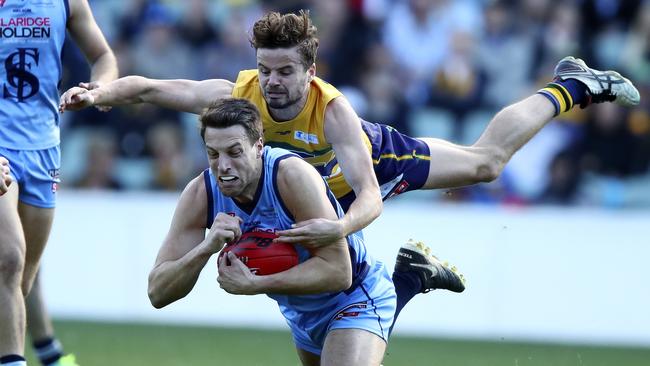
(32, 34)
(248, 187)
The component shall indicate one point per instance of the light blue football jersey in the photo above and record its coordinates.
(32, 33)
(270, 214)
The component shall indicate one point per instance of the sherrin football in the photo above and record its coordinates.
(264, 257)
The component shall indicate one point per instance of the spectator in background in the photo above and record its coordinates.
(131, 23)
(195, 28)
(418, 35)
(232, 52)
(636, 53)
(100, 162)
(564, 178)
(459, 83)
(332, 17)
(172, 170)
(609, 147)
(357, 41)
(561, 36)
(379, 84)
(505, 55)
(159, 52)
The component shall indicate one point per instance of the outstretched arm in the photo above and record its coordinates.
(454, 165)
(328, 270)
(91, 41)
(186, 249)
(343, 131)
(181, 95)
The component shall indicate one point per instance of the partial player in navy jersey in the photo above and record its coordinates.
(251, 187)
(33, 33)
(376, 161)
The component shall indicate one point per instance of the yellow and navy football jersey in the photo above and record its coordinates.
(303, 135)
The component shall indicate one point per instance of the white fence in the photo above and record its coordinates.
(547, 274)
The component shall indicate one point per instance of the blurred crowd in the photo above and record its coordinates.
(439, 68)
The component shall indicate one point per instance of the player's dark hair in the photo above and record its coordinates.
(231, 112)
(275, 30)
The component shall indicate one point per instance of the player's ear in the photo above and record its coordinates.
(259, 145)
(311, 72)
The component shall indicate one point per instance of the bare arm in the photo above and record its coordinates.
(454, 165)
(186, 249)
(91, 41)
(329, 268)
(343, 131)
(181, 95)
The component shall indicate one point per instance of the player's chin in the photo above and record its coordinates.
(277, 102)
(230, 190)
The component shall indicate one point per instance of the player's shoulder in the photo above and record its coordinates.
(294, 173)
(291, 166)
(328, 90)
(192, 207)
(196, 192)
(336, 106)
(339, 118)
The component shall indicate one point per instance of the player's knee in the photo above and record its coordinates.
(29, 275)
(12, 265)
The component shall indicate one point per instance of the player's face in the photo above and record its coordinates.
(234, 161)
(283, 78)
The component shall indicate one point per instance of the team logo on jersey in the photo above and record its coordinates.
(309, 138)
(283, 133)
(23, 84)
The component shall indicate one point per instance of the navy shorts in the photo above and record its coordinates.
(37, 174)
(401, 162)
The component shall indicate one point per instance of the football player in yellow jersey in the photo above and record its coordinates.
(310, 117)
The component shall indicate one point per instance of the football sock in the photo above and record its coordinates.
(13, 360)
(564, 94)
(407, 285)
(48, 350)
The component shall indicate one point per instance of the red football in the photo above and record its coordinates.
(257, 250)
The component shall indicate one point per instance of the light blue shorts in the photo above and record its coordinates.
(371, 307)
(37, 174)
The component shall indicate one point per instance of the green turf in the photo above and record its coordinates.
(104, 344)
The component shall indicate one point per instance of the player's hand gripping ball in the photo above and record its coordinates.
(259, 253)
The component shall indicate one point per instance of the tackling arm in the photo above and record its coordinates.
(181, 95)
(329, 269)
(343, 131)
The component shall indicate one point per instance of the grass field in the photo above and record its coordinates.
(110, 344)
